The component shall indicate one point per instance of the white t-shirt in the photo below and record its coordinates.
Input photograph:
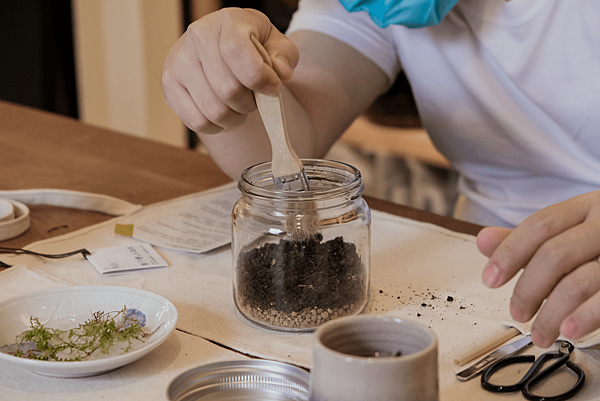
(509, 92)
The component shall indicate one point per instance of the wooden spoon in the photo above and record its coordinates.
(288, 171)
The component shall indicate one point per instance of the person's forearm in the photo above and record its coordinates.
(238, 148)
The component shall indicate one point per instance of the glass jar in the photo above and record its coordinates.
(301, 258)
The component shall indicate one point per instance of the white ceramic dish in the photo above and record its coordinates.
(7, 211)
(66, 307)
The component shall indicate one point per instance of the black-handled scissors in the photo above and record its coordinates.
(532, 377)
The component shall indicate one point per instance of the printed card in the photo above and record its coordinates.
(126, 258)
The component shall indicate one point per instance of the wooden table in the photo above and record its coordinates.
(42, 150)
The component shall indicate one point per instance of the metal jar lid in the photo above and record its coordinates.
(241, 380)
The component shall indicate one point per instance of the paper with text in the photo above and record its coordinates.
(196, 223)
(118, 259)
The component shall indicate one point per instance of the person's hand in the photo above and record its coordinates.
(557, 248)
(210, 72)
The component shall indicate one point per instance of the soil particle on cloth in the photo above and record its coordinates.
(301, 284)
(430, 304)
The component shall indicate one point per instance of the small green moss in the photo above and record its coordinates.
(101, 332)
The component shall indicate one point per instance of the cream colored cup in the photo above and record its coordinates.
(374, 358)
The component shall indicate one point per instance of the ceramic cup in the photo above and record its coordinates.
(368, 357)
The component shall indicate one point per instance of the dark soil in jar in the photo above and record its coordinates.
(301, 283)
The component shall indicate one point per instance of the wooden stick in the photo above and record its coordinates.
(285, 164)
(487, 346)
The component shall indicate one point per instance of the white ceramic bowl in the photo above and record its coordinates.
(7, 211)
(66, 307)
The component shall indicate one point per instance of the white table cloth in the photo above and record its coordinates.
(418, 271)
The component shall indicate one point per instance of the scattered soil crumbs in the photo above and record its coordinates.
(301, 284)
(429, 305)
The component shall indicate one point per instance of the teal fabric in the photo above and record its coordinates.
(410, 13)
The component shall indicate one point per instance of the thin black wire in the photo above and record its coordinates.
(17, 251)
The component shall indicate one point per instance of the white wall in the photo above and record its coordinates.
(120, 48)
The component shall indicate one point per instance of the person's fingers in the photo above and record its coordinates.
(180, 100)
(245, 61)
(580, 287)
(515, 252)
(586, 317)
(554, 260)
(489, 238)
(550, 246)
(240, 54)
(217, 75)
(219, 111)
(284, 54)
(191, 96)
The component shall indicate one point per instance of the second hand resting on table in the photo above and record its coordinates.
(555, 247)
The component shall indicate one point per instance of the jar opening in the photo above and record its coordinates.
(326, 179)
